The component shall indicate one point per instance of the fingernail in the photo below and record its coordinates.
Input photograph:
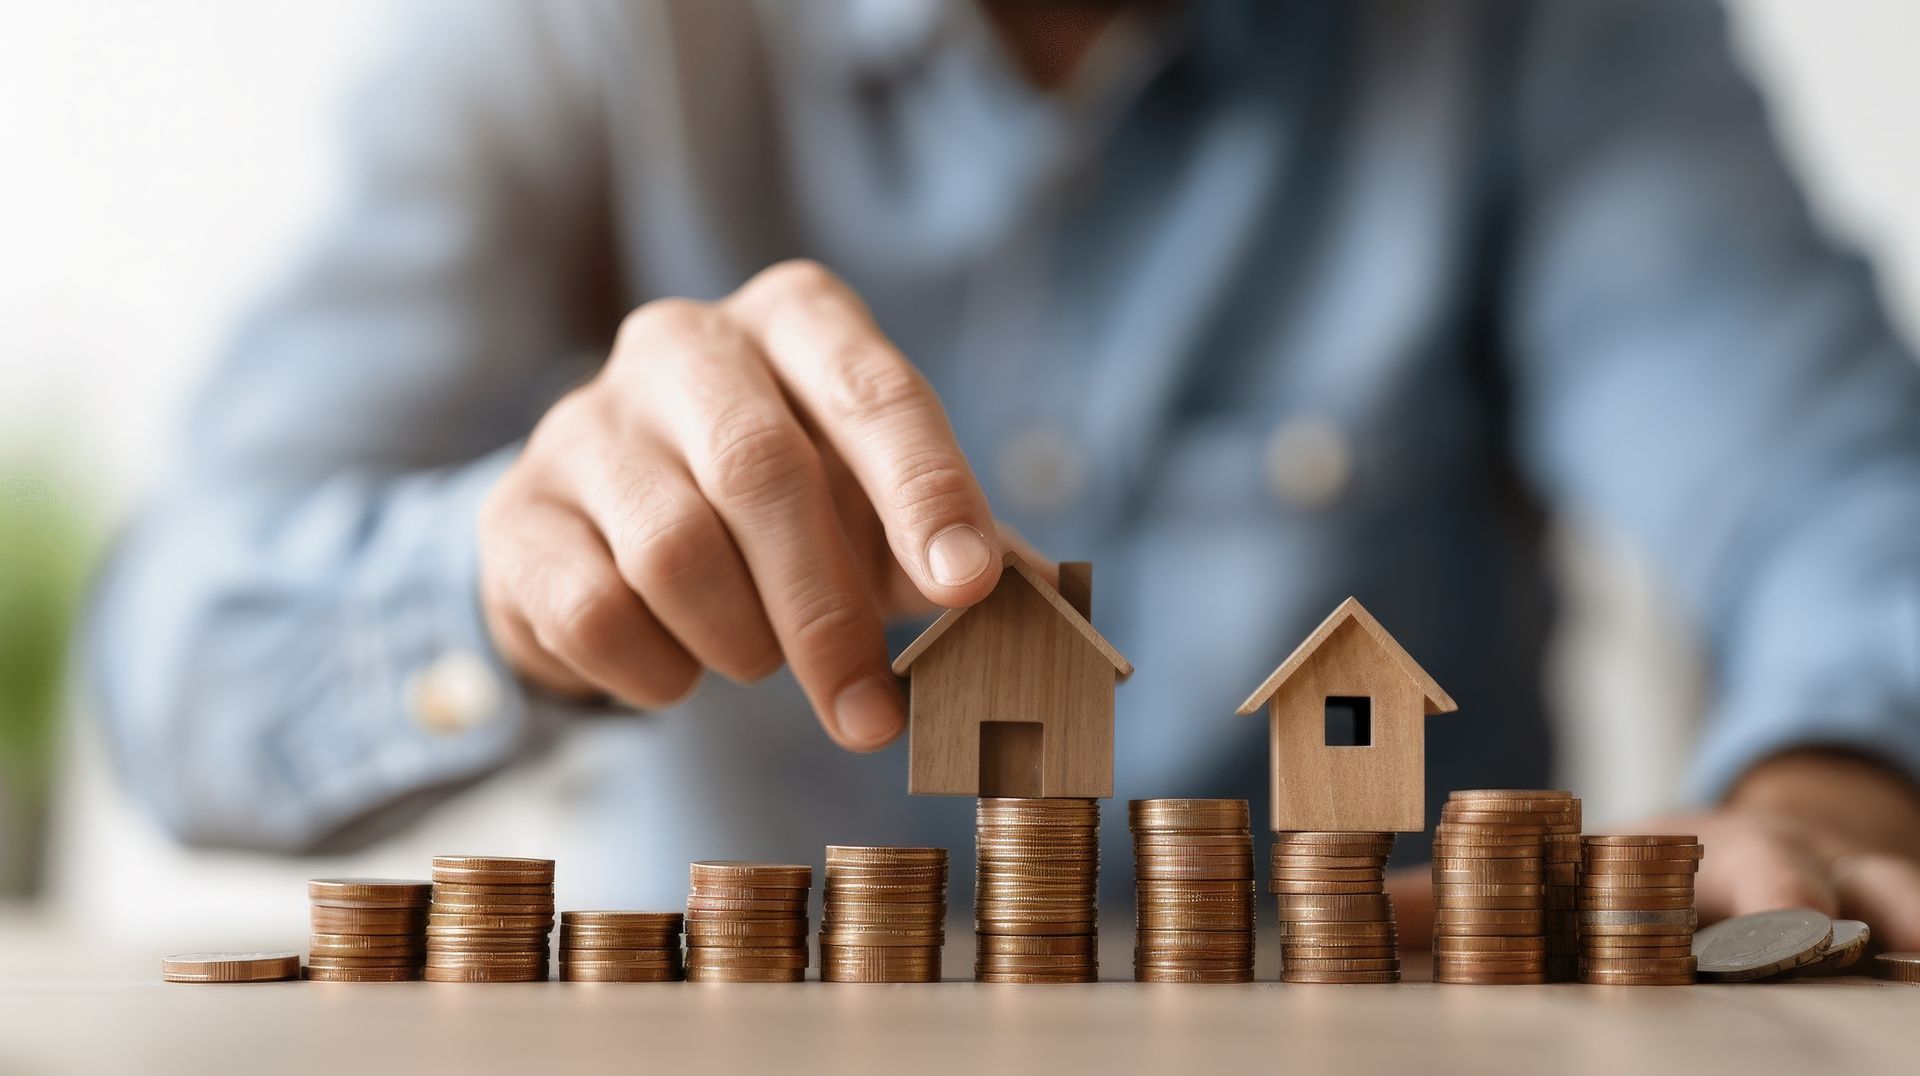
(956, 556)
(868, 714)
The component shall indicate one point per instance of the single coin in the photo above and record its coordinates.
(745, 975)
(408, 974)
(1333, 977)
(363, 892)
(1755, 946)
(1900, 967)
(253, 967)
(1850, 937)
(494, 863)
(619, 975)
(742, 872)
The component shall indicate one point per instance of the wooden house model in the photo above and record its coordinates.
(1347, 728)
(1013, 696)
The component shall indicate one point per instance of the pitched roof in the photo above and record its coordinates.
(1068, 613)
(1438, 702)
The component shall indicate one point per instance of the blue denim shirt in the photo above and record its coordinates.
(1275, 303)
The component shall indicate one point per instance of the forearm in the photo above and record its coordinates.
(1857, 803)
(268, 662)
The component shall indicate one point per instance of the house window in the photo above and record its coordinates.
(1349, 721)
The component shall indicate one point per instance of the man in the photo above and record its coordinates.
(657, 340)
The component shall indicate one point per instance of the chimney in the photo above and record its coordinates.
(1076, 585)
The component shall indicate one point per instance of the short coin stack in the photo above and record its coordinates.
(747, 922)
(491, 919)
(1193, 890)
(1336, 920)
(1491, 884)
(367, 930)
(620, 947)
(1038, 869)
(883, 917)
(1636, 909)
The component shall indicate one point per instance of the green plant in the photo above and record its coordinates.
(44, 554)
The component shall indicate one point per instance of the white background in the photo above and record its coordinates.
(156, 157)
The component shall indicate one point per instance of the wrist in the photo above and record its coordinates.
(1864, 804)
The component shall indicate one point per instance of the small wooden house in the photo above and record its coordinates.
(1013, 696)
(1347, 726)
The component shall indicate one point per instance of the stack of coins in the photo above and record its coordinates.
(1336, 920)
(1490, 884)
(1193, 890)
(747, 922)
(1035, 910)
(620, 947)
(367, 930)
(1560, 871)
(1636, 909)
(883, 917)
(490, 920)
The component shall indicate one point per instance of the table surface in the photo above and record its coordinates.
(62, 1015)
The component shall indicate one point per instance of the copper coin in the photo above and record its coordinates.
(408, 974)
(240, 967)
(740, 872)
(746, 975)
(370, 892)
(619, 975)
(1336, 977)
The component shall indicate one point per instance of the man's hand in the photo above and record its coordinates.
(1807, 829)
(1819, 830)
(759, 478)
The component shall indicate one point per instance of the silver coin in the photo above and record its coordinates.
(1750, 947)
(1849, 944)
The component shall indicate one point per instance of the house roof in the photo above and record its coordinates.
(1438, 702)
(1121, 666)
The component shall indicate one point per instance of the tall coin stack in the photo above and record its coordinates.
(1636, 909)
(367, 930)
(883, 918)
(747, 922)
(1035, 898)
(1491, 835)
(620, 947)
(490, 921)
(1490, 883)
(1336, 920)
(1193, 891)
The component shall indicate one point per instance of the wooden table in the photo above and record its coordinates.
(121, 1019)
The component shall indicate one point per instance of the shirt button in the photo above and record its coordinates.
(1309, 463)
(456, 693)
(1042, 470)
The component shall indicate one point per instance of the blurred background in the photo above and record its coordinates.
(157, 159)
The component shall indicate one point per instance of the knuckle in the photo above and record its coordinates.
(662, 546)
(933, 487)
(825, 625)
(873, 385)
(666, 318)
(794, 277)
(755, 459)
(585, 618)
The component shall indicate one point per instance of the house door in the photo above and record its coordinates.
(1010, 758)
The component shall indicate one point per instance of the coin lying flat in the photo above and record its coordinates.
(1750, 947)
(230, 967)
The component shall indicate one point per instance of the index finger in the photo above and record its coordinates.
(885, 422)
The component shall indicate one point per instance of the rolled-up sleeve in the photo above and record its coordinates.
(288, 638)
(1697, 369)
